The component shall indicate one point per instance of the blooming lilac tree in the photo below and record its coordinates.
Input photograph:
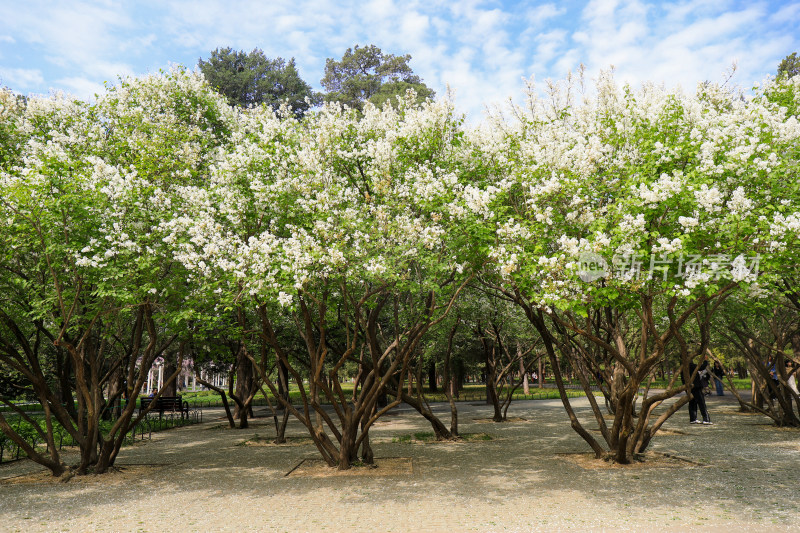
(628, 218)
(90, 287)
(339, 223)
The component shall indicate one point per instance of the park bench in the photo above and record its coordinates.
(168, 404)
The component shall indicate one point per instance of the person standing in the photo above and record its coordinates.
(773, 374)
(791, 381)
(698, 400)
(719, 373)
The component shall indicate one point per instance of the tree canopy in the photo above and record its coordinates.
(249, 79)
(790, 65)
(366, 74)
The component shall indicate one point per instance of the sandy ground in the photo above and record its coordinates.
(741, 475)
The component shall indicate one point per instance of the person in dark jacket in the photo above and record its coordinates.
(698, 400)
(719, 373)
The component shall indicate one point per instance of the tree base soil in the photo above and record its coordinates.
(386, 466)
(491, 421)
(259, 440)
(116, 475)
(647, 460)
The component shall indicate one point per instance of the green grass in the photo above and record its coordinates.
(26, 407)
(470, 393)
(63, 438)
(740, 384)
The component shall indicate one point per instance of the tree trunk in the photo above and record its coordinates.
(348, 453)
(244, 386)
(460, 378)
(492, 397)
(222, 395)
(280, 429)
(625, 405)
(283, 382)
(367, 456)
(541, 372)
(104, 460)
(526, 389)
(170, 388)
(490, 353)
(453, 410)
(439, 429)
(449, 383)
(243, 412)
(432, 386)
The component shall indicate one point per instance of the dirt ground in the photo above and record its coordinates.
(534, 474)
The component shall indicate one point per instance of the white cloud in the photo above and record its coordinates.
(71, 34)
(414, 26)
(482, 48)
(788, 13)
(537, 16)
(138, 44)
(21, 78)
(677, 43)
(713, 30)
(82, 88)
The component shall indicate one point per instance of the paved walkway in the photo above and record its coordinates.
(746, 479)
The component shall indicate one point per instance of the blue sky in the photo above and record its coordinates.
(481, 49)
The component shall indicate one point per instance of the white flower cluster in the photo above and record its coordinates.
(162, 188)
(651, 174)
(662, 189)
(8, 104)
(709, 199)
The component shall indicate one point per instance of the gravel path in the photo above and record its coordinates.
(744, 476)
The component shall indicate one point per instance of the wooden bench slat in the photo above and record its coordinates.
(165, 403)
